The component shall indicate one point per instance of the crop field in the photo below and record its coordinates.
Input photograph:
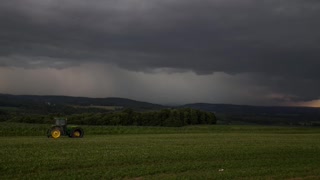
(195, 152)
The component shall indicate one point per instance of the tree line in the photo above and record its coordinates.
(128, 117)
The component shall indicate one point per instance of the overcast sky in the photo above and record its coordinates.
(259, 52)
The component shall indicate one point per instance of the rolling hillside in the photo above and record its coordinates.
(227, 114)
(30, 100)
(271, 115)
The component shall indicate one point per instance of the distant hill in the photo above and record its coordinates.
(272, 115)
(229, 108)
(27, 100)
(226, 113)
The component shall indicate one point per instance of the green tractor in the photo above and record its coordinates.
(61, 129)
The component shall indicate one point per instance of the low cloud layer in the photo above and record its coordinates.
(274, 44)
(101, 80)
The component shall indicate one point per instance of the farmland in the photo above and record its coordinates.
(192, 152)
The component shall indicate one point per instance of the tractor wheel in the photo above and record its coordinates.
(77, 133)
(55, 133)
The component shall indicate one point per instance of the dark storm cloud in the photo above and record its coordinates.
(277, 42)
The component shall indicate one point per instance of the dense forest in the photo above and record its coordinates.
(164, 117)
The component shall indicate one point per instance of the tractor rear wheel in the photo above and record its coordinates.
(77, 133)
(56, 133)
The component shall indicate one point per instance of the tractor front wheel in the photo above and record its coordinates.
(77, 133)
(55, 133)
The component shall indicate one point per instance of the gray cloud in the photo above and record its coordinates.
(276, 42)
(101, 80)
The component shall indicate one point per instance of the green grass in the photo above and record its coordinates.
(194, 152)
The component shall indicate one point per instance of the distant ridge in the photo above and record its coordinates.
(21, 100)
(263, 115)
(225, 113)
(230, 108)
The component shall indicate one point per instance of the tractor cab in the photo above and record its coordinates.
(61, 122)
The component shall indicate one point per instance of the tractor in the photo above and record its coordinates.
(61, 129)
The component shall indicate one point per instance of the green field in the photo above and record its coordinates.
(194, 152)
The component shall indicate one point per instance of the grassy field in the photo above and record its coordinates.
(195, 152)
